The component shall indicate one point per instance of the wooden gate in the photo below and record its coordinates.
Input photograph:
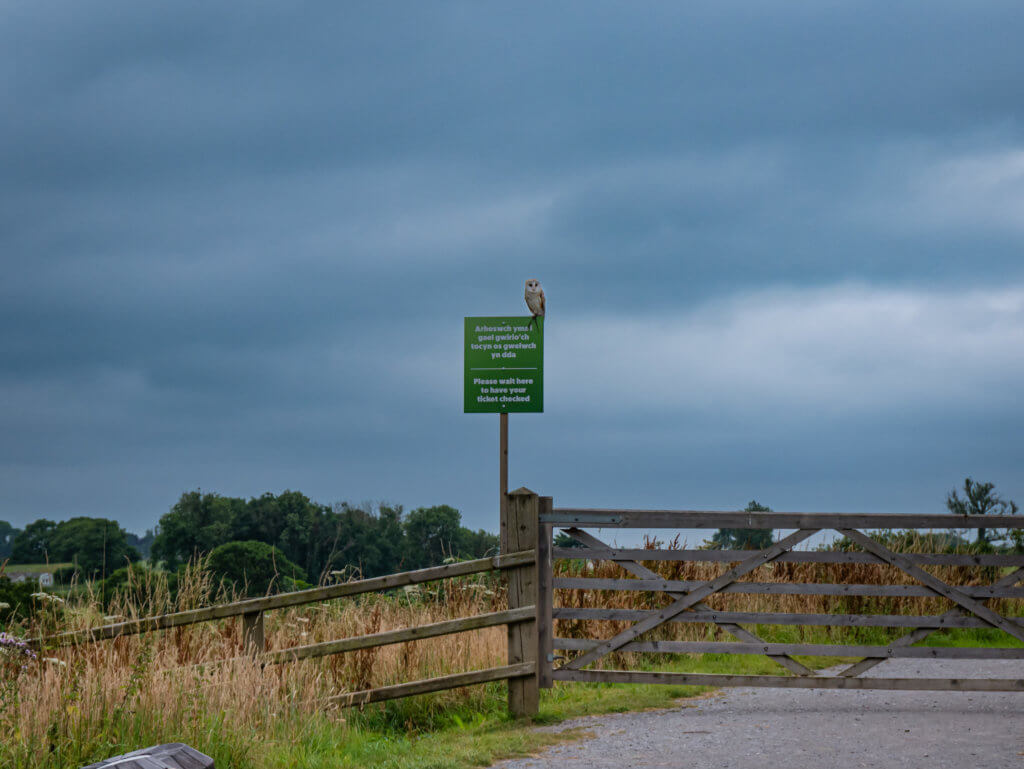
(686, 600)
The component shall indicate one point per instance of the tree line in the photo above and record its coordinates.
(312, 539)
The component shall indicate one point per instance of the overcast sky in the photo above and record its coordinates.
(782, 246)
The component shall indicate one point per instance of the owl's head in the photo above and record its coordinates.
(532, 286)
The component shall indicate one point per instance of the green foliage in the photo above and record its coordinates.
(65, 575)
(97, 546)
(979, 499)
(143, 543)
(134, 583)
(7, 535)
(254, 567)
(564, 540)
(742, 539)
(431, 535)
(195, 525)
(15, 600)
(32, 545)
(316, 538)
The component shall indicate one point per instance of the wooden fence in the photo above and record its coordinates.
(527, 562)
(686, 600)
(520, 618)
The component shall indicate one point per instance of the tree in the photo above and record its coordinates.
(477, 544)
(143, 543)
(979, 499)
(431, 535)
(564, 540)
(98, 546)
(7, 535)
(195, 525)
(742, 539)
(254, 567)
(32, 545)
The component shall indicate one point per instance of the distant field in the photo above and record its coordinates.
(34, 568)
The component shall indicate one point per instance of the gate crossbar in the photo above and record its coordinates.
(970, 611)
(735, 630)
(693, 597)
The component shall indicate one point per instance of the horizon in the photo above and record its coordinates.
(780, 245)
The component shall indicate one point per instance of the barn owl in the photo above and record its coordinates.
(535, 299)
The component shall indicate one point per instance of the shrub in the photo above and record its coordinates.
(254, 567)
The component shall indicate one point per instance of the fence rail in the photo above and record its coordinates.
(522, 611)
(796, 556)
(254, 606)
(527, 526)
(793, 682)
(685, 599)
(718, 519)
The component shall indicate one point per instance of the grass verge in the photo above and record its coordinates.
(412, 733)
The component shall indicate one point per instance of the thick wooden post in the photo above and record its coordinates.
(545, 600)
(521, 534)
(252, 633)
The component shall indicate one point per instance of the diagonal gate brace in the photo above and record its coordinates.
(919, 634)
(690, 599)
(641, 571)
(976, 608)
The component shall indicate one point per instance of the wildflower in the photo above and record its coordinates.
(15, 650)
(48, 597)
(4, 605)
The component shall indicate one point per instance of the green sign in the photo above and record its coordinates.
(504, 365)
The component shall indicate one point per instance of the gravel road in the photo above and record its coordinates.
(814, 729)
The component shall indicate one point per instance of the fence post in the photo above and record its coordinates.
(521, 534)
(545, 600)
(252, 633)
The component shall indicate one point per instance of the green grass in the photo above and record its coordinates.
(417, 733)
(33, 568)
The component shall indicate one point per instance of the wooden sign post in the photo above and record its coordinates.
(504, 373)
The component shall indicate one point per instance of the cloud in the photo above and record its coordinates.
(979, 190)
(842, 349)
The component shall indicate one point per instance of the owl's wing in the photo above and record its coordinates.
(542, 303)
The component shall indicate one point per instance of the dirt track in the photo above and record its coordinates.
(814, 729)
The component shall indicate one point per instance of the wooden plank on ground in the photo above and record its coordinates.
(510, 672)
(792, 682)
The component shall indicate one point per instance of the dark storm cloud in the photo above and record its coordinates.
(237, 241)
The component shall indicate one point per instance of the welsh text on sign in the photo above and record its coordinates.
(504, 365)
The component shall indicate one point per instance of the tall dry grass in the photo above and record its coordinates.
(85, 703)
